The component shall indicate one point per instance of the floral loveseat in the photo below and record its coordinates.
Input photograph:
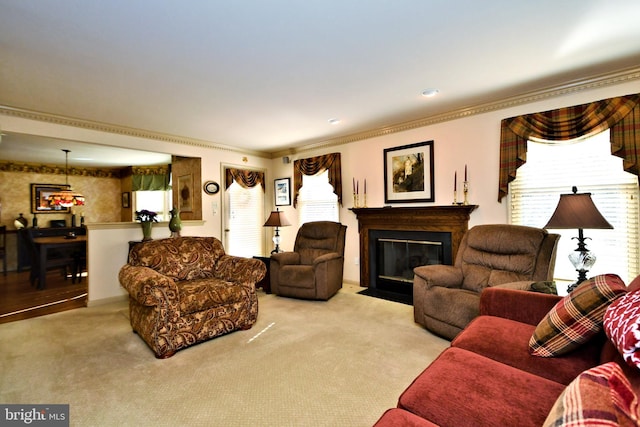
(186, 290)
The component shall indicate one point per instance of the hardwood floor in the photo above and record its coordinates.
(19, 300)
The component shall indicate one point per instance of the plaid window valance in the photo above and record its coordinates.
(314, 165)
(244, 177)
(621, 115)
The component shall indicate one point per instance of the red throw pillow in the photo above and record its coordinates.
(577, 317)
(622, 326)
(600, 396)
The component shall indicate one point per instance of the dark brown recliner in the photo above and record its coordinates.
(314, 269)
(446, 298)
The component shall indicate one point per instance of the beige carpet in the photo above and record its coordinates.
(304, 363)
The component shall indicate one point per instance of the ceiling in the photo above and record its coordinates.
(269, 75)
(36, 149)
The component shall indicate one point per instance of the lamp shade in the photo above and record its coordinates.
(577, 211)
(276, 219)
(66, 197)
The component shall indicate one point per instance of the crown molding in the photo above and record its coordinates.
(593, 82)
(120, 130)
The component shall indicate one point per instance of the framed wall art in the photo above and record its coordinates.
(282, 191)
(126, 199)
(185, 190)
(39, 195)
(408, 173)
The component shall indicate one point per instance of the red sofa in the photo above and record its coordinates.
(487, 377)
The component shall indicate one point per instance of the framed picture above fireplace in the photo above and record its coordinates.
(408, 173)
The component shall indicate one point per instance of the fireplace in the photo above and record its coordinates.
(393, 254)
(395, 240)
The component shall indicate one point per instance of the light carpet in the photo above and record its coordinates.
(304, 363)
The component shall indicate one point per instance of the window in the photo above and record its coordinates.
(553, 169)
(316, 200)
(245, 217)
(155, 201)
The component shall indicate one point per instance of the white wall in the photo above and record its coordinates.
(472, 140)
(107, 250)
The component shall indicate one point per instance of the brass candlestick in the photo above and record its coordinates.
(455, 197)
(355, 200)
(465, 187)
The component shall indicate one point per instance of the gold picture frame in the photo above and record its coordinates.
(39, 194)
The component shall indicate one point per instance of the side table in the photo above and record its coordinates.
(265, 283)
(132, 243)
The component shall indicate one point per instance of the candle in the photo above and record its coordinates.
(455, 181)
(354, 186)
(365, 186)
(465, 173)
(357, 187)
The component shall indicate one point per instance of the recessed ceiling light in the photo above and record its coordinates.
(428, 93)
(334, 121)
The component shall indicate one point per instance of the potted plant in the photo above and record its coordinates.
(146, 218)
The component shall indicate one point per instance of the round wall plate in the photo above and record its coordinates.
(211, 187)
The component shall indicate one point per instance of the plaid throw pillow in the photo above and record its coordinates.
(600, 396)
(577, 317)
(622, 326)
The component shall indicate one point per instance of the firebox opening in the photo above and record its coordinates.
(393, 254)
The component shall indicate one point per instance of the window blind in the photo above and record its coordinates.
(553, 169)
(245, 221)
(317, 201)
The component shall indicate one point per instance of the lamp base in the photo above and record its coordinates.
(572, 286)
(582, 276)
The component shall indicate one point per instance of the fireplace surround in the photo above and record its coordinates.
(408, 235)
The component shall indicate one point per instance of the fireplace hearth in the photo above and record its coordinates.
(393, 241)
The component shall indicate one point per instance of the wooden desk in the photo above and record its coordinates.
(44, 244)
(24, 257)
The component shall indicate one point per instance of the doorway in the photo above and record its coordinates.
(243, 212)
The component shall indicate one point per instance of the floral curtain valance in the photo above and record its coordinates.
(314, 165)
(244, 177)
(620, 114)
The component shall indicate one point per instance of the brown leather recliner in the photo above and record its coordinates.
(314, 269)
(446, 298)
